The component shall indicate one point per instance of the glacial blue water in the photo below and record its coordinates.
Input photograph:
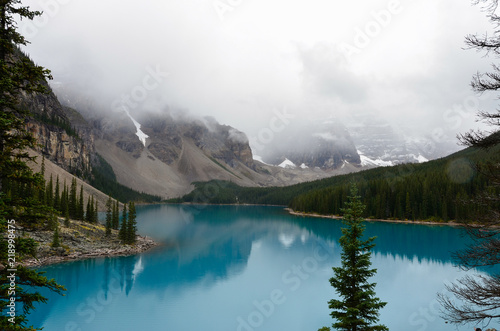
(248, 268)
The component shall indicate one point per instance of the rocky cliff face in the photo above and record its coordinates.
(221, 142)
(163, 153)
(179, 151)
(167, 137)
(63, 136)
(72, 153)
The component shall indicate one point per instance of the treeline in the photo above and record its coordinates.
(224, 192)
(104, 179)
(128, 226)
(58, 122)
(437, 190)
(69, 201)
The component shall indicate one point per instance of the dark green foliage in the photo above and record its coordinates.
(91, 213)
(49, 193)
(55, 238)
(109, 211)
(475, 299)
(358, 307)
(80, 211)
(64, 205)
(124, 225)
(131, 224)
(22, 199)
(104, 179)
(57, 195)
(90, 210)
(96, 211)
(115, 217)
(431, 190)
(73, 201)
(56, 121)
(222, 192)
(26, 278)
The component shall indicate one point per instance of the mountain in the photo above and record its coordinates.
(379, 143)
(163, 154)
(53, 126)
(326, 145)
(433, 190)
(159, 153)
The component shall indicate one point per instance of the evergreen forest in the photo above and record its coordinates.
(438, 190)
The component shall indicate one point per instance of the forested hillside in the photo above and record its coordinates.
(436, 190)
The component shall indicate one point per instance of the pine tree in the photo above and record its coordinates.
(49, 193)
(80, 211)
(72, 203)
(357, 308)
(115, 218)
(476, 299)
(93, 210)
(41, 191)
(131, 224)
(109, 208)
(122, 234)
(90, 210)
(96, 212)
(408, 212)
(18, 182)
(57, 196)
(55, 238)
(64, 205)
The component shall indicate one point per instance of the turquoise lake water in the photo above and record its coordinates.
(248, 268)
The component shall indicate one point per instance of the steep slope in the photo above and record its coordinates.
(54, 170)
(70, 147)
(180, 151)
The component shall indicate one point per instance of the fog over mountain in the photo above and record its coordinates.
(242, 62)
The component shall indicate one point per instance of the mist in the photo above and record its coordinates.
(246, 62)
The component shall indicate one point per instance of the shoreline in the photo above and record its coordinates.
(449, 223)
(79, 241)
(142, 245)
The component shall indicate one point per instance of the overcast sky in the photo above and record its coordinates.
(242, 61)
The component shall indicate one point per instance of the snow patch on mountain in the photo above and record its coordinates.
(287, 164)
(421, 159)
(142, 136)
(366, 161)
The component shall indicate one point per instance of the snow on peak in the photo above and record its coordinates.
(303, 166)
(366, 161)
(287, 164)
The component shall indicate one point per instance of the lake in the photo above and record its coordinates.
(248, 268)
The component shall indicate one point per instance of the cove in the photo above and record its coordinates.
(249, 268)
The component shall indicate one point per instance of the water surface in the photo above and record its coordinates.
(247, 268)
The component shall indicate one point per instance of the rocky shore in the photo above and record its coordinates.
(81, 241)
(336, 217)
